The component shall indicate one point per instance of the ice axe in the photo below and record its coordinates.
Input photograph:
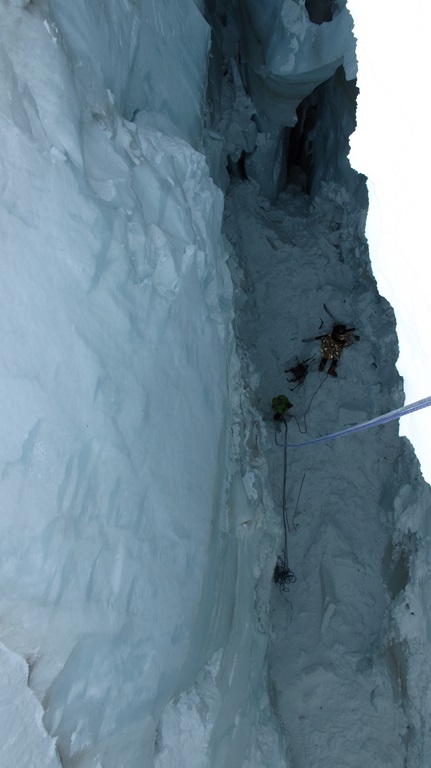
(316, 338)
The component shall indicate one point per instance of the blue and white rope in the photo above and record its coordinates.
(390, 416)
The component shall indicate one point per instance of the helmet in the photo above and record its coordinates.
(339, 329)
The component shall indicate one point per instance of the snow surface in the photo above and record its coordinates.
(147, 322)
(331, 682)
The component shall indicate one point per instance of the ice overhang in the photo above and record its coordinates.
(285, 56)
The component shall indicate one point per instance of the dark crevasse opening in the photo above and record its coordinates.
(319, 11)
(272, 122)
(318, 144)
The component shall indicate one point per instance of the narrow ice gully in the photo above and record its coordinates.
(150, 305)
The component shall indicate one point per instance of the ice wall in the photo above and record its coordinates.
(25, 741)
(150, 58)
(284, 57)
(126, 560)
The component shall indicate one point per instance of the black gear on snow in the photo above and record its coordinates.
(299, 371)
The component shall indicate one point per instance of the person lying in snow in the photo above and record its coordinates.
(332, 346)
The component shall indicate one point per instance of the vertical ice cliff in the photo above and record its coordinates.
(132, 519)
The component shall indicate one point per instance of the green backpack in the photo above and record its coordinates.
(281, 404)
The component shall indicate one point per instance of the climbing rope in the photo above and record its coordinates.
(292, 415)
(283, 576)
(282, 573)
(390, 416)
(297, 503)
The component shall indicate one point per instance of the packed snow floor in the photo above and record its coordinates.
(334, 671)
